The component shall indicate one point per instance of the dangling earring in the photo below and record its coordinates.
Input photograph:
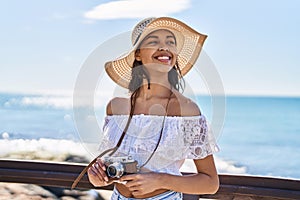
(148, 85)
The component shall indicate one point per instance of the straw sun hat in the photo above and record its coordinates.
(189, 43)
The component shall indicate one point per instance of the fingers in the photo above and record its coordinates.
(101, 164)
(137, 192)
(98, 169)
(133, 184)
(130, 177)
(101, 169)
(140, 184)
(136, 188)
(133, 181)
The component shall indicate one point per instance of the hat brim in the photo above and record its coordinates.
(189, 45)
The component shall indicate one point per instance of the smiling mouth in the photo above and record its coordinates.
(164, 59)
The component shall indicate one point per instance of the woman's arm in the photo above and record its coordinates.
(206, 181)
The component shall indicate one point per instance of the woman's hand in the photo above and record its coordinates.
(141, 184)
(97, 175)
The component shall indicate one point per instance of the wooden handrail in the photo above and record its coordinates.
(63, 175)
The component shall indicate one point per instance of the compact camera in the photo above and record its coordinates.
(119, 166)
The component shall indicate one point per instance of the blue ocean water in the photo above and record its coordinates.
(33, 116)
(261, 134)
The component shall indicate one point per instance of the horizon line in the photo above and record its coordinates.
(70, 93)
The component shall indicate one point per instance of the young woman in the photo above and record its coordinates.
(157, 127)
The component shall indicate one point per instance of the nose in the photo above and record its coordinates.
(163, 49)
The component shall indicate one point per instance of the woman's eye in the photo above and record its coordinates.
(152, 42)
(171, 42)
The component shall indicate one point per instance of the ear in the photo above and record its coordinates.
(138, 56)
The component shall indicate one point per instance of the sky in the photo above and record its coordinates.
(253, 45)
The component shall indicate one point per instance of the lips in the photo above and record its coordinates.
(164, 58)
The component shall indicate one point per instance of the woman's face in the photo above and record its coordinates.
(158, 51)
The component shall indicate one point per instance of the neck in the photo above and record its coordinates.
(155, 91)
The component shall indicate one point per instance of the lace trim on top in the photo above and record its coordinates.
(183, 138)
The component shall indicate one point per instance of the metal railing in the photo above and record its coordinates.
(63, 174)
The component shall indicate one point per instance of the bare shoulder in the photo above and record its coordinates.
(118, 106)
(187, 106)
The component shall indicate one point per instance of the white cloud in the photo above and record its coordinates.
(136, 9)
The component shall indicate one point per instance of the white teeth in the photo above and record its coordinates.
(163, 57)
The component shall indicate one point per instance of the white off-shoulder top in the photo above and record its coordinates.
(182, 138)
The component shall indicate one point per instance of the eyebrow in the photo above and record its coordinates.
(156, 37)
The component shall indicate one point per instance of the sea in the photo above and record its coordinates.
(257, 135)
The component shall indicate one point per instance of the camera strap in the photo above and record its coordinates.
(114, 149)
(111, 150)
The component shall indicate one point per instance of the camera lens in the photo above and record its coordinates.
(115, 170)
(112, 170)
